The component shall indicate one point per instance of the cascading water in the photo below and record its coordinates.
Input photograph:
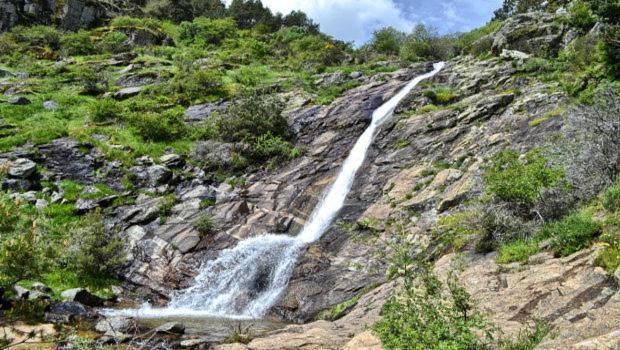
(247, 280)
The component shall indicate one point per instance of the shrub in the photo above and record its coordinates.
(519, 250)
(92, 80)
(527, 339)
(133, 22)
(21, 258)
(104, 110)
(160, 127)
(204, 224)
(426, 316)
(571, 234)
(441, 96)
(94, 250)
(193, 83)
(205, 31)
(9, 215)
(513, 180)
(38, 36)
(268, 146)
(114, 42)
(77, 44)
(611, 199)
(251, 117)
(609, 257)
(580, 16)
(455, 230)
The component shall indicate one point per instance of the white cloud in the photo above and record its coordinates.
(348, 20)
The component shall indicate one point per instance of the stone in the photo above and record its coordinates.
(159, 175)
(513, 55)
(85, 205)
(171, 328)
(81, 296)
(202, 112)
(65, 312)
(113, 325)
(355, 75)
(27, 197)
(172, 160)
(23, 293)
(199, 192)
(41, 204)
(69, 159)
(19, 100)
(5, 74)
(456, 193)
(364, 341)
(191, 343)
(43, 288)
(126, 93)
(50, 105)
(19, 185)
(214, 153)
(22, 168)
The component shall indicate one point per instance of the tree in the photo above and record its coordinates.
(208, 8)
(426, 43)
(507, 9)
(20, 258)
(300, 19)
(249, 13)
(387, 41)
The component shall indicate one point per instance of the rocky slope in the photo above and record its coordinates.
(426, 161)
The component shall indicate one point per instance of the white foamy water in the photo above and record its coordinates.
(244, 282)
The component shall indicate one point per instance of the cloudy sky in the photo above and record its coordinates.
(354, 20)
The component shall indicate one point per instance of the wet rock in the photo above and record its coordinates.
(171, 328)
(22, 168)
(81, 296)
(127, 93)
(202, 112)
(65, 312)
(19, 100)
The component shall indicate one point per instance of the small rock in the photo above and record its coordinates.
(22, 168)
(86, 205)
(81, 296)
(19, 100)
(114, 325)
(191, 343)
(199, 192)
(171, 327)
(18, 185)
(355, 75)
(50, 105)
(38, 286)
(145, 160)
(127, 93)
(513, 55)
(159, 175)
(100, 137)
(41, 204)
(172, 160)
(117, 290)
(56, 197)
(29, 197)
(21, 292)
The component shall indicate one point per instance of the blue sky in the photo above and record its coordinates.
(355, 20)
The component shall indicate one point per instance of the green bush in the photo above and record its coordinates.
(387, 41)
(160, 127)
(609, 257)
(426, 316)
(519, 250)
(114, 42)
(513, 180)
(251, 117)
(104, 110)
(571, 234)
(205, 31)
(457, 229)
(425, 43)
(21, 257)
(193, 84)
(77, 44)
(94, 250)
(133, 22)
(611, 199)
(580, 16)
(268, 147)
(38, 36)
(204, 224)
(441, 96)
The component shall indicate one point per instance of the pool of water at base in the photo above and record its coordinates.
(214, 329)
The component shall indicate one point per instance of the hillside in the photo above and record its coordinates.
(146, 139)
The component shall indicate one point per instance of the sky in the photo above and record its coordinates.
(355, 20)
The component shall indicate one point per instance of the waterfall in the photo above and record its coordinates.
(248, 279)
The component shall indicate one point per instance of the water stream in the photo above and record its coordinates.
(245, 281)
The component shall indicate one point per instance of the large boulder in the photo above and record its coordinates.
(65, 312)
(214, 153)
(81, 296)
(536, 33)
(199, 113)
(22, 168)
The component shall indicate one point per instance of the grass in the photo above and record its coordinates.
(517, 251)
(572, 233)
